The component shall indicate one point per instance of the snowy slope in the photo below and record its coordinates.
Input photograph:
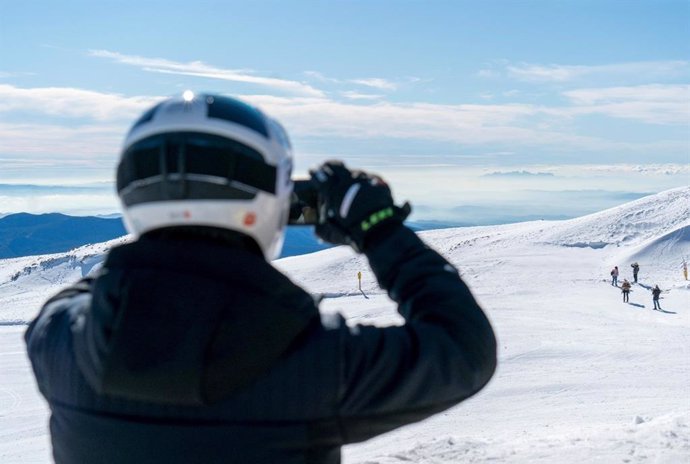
(582, 376)
(25, 283)
(652, 230)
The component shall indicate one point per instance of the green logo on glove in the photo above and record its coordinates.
(376, 218)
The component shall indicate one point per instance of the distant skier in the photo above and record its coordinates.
(614, 276)
(685, 269)
(625, 288)
(636, 269)
(656, 291)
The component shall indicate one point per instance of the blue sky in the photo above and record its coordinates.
(433, 95)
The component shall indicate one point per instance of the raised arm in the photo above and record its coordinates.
(445, 351)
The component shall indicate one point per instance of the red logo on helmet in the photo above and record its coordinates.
(249, 219)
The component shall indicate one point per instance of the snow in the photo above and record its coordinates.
(582, 376)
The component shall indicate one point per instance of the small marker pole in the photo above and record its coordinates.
(359, 280)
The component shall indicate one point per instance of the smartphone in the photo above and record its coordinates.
(304, 203)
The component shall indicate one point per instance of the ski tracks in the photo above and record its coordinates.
(664, 440)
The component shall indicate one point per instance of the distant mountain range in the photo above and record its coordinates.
(300, 240)
(24, 234)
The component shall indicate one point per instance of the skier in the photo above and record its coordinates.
(189, 346)
(636, 269)
(656, 291)
(685, 269)
(614, 276)
(625, 289)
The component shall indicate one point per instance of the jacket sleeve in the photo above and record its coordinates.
(444, 353)
(48, 335)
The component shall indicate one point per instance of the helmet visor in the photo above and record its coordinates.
(192, 165)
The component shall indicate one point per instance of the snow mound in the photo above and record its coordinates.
(673, 244)
(670, 247)
(627, 224)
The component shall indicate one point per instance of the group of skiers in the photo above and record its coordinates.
(626, 286)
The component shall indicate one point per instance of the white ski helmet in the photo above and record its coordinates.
(207, 160)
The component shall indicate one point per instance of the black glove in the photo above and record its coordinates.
(353, 205)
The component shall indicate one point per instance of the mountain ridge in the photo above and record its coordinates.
(25, 234)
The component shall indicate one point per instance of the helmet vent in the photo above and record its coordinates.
(238, 113)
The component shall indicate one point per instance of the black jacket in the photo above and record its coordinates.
(185, 351)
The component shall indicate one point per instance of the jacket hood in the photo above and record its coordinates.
(187, 322)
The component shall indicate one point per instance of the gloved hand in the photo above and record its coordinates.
(353, 205)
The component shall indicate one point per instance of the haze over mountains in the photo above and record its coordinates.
(582, 376)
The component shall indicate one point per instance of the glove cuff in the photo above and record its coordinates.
(378, 225)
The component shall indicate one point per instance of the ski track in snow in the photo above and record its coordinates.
(582, 376)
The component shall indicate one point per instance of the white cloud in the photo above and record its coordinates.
(384, 119)
(658, 93)
(656, 104)
(546, 73)
(365, 117)
(471, 125)
(562, 73)
(322, 77)
(307, 117)
(59, 144)
(6, 74)
(71, 102)
(373, 82)
(376, 83)
(352, 95)
(653, 169)
(200, 69)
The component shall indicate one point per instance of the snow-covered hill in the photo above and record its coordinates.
(25, 283)
(652, 230)
(582, 377)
